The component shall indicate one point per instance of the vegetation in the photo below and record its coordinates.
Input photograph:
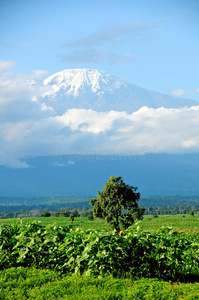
(174, 210)
(38, 259)
(45, 214)
(156, 258)
(185, 224)
(31, 283)
(117, 203)
(20, 207)
(182, 223)
(164, 254)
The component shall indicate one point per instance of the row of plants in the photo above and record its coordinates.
(165, 254)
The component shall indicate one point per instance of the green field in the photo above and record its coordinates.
(82, 223)
(187, 224)
(36, 282)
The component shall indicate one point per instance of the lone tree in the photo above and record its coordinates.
(117, 203)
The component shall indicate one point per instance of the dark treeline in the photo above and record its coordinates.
(87, 211)
(33, 207)
(62, 212)
(175, 210)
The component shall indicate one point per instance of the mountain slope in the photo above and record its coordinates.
(153, 174)
(100, 91)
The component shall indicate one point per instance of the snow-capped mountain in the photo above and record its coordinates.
(100, 91)
(80, 81)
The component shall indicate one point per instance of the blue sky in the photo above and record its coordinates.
(153, 44)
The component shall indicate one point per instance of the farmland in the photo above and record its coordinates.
(46, 255)
(182, 223)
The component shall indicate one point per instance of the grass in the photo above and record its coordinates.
(23, 283)
(189, 225)
(82, 223)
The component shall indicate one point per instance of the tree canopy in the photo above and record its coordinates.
(117, 203)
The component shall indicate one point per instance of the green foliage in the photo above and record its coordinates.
(117, 203)
(155, 216)
(65, 213)
(57, 214)
(165, 254)
(75, 213)
(45, 214)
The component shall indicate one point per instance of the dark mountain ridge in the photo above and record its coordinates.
(153, 174)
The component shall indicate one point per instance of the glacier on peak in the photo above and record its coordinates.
(75, 81)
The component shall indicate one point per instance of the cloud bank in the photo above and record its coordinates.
(29, 130)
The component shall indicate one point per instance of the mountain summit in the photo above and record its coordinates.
(100, 91)
(80, 81)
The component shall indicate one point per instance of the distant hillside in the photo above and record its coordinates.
(81, 176)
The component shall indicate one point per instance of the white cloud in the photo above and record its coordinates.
(87, 131)
(16, 94)
(40, 73)
(15, 131)
(197, 91)
(146, 130)
(162, 130)
(89, 120)
(5, 65)
(60, 164)
(189, 143)
(178, 92)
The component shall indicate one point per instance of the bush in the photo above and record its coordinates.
(45, 214)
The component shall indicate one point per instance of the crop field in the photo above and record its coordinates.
(58, 259)
(186, 224)
(80, 222)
